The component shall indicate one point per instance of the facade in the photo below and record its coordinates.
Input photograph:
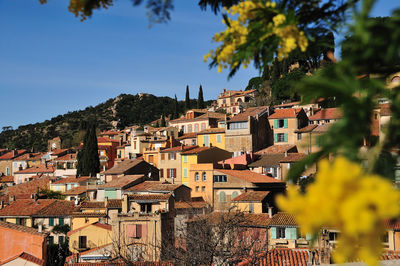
(71, 182)
(232, 101)
(248, 131)
(325, 116)
(26, 160)
(6, 161)
(254, 202)
(33, 172)
(90, 236)
(196, 120)
(65, 165)
(211, 137)
(114, 189)
(285, 122)
(130, 167)
(107, 152)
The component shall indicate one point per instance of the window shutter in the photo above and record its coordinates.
(162, 156)
(285, 136)
(168, 175)
(275, 137)
(139, 231)
(276, 123)
(285, 122)
(308, 236)
(174, 172)
(273, 232)
(294, 233)
(288, 233)
(161, 173)
(169, 156)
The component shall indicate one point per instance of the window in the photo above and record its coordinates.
(234, 194)
(8, 172)
(203, 126)
(280, 137)
(219, 138)
(60, 221)
(203, 189)
(196, 128)
(206, 140)
(172, 156)
(251, 207)
(220, 178)
(60, 239)
(82, 242)
(189, 128)
(134, 145)
(327, 121)
(21, 221)
(237, 125)
(299, 136)
(196, 177)
(51, 240)
(145, 207)
(136, 230)
(333, 236)
(151, 159)
(280, 232)
(171, 173)
(222, 197)
(197, 188)
(185, 158)
(161, 173)
(185, 172)
(204, 176)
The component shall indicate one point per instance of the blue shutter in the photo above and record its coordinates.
(285, 122)
(294, 233)
(288, 233)
(273, 232)
(286, 137)
(276, 123)
(275, 137)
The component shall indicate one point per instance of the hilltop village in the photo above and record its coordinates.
(199, 190)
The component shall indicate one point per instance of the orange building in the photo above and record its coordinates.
(21, 239)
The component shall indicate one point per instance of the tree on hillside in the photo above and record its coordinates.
(200, 99)
(175, 114)
(187, 99)
(88, 156)
(163, 123)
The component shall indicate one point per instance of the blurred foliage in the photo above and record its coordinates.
(51, 194)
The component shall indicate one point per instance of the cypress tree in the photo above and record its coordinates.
(175, 115)
(200, 99)
(88, 157)
(187, 99)
(163, 123)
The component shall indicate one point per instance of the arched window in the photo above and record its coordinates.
(196, 176)
(222, 197)
(204, 176)
(235, 194)
(196, 128)
(189, 128)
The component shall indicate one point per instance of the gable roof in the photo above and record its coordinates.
(283, 219)
(155, 186)
(59, 208)
(253, 111)
(7, 179)
(268, 160)
(97, 224)
(21, 228)
(281, 148)
(327, 113)
(196, 150)
(179, 148)
(121, 182)
(214, 130)
(114, 203)
(92, 205)
(123, 166)
(280, 257)
(72, 179)
(25, 190)
(11, 154)
(252, 196)
(27, 257)
(25, 207)
(243, 159)
(285, 113)
(150, 197)
(29, 157)
(66, 157)
(293, 157)
(249, 176)
(75, 191)
(187, 136)
(37, 169)
(306, 129)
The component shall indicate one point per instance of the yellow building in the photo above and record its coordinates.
(212, 137)
(252, 201)
(202, 177)
(89, 236)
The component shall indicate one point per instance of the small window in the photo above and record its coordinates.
(60, 240)
(82, 242)
(51, 240)
(196, 128)
(172, 156)
(281, 123)
(280, 232)
(145, 207)
(197, 188)
(220, 178)
(219, 138)
(196, 176)
(203, 189)
(299, 136)
(185, 172)
(189, 128)
(204, 176)
(281, 137)
(234, 194)
(185, 158)
(222, 197)
(60, 221)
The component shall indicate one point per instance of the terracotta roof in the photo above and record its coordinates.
(155, 186)
(97, 224)
(66, 157)
(284, 219)
(285, 113)
(25, 207)
(190, 205)
(123, 166)
(253, 111)
(196, 150)
(187, 136)
(37, 169)
(256, 219)
(249, 176)
(57, 208)
(252, 196)
(286, 104)
(29, 157)
(121, 182)
(70, 259)
(7, 179)
(75, 191)
(306, 129)
(240, 218)
(72, 179)
(328, 113)
(179, 148)
(105, 139)
(22, 228)
(27, 257)
(212, 131)
(385, 109)
(110, 133)
(11, 154)
(88, 214)
(280, 257)
(278, 149)
(232, 93)
(268, 160)
(152, 196)
(92, 205)
(243, 159)
(114, 203)
(208, 115)
(25, 190)
(322, 128)
(293, 157)
(392, 224)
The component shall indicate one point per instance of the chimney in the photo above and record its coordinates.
(12, 198)
(40, 228)
(224, 90)
(270, 212)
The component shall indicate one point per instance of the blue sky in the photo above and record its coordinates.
(51, 63)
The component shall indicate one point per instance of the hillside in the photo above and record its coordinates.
(122, 111)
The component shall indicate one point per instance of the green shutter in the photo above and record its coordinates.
(276, 123)
(294, 233)
(286, 137)
(185, 172)
(288, 233)
(111, 194)
(275, 137)
(308, 236)
(51, 221)
(60, 221)
(273, 232)
(285, 123)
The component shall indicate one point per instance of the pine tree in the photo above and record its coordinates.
(175, 115)
(88, 157)
(200, 99)
(163, 123)
(187, 99)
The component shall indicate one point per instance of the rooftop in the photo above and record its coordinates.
(27, 257)
(179, 148)
(123, 166)
(286, 113)
(25, 190)
(249, 176)
(252, 111)
(21, 228)
(25, 207)
(196, 150)
(252, 196)
(72, 179)
(283, 218)
(211, 131)
(282, 148)
(92, 205)
(187, 136)
(155, 186)
(57, 208)
(268, 160)
(11, 154)
(75, 191)
(306, 129)
(243, 159)
(328, 113)
(114, 203)
(293, 157)
(121, 182)
(153, 196)
(37, 169)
